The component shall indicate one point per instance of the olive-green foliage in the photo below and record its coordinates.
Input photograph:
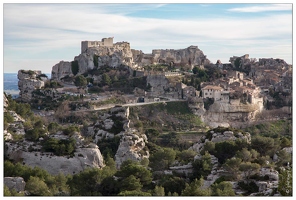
(95, 59)
(59, 147)
(186, 156)
(56, 184)
(35, 133)
(52, 84)
(80, 81)
(225, 150)
(109, 146)
(87, 183)
(283, 158)
(264, 145)
(106, 80)
(118, 124)
(247, 155)
(222, 189)
(6, 191)
(285, 186)
(37, 187)
(249, 187)
(195, 189)
(172, 184)
(130, 183)
(23, 109)
(162, 159)
(75, 67)
(232, 165)
(273, 129)
(8, 117)
(177, 108)
(134, 193)
(248, 168)
(202, 167)
(129, 168)
(152, 134)
(158, 191)
(53, 127)
(70, 130)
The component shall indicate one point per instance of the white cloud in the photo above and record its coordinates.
(47, 28)
(265, 8)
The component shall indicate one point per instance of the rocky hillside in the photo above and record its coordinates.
(58, 151)
(120, 54)
(116, 124)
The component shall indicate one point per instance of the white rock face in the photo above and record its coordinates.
(28, 83)
(84, 158)
(16, 183)
(61, 70)
(158, 83)
(235, 115)
(130, 147)
(189, 56)
(271, 173)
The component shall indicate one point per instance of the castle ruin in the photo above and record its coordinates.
(105, 42)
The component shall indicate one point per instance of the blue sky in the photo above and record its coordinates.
(38, 36)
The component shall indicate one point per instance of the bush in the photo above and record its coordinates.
(95, 58)
(70, 130)
(249, 187)
(59, 147)
(8, 118)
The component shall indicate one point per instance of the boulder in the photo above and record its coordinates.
(16, 183)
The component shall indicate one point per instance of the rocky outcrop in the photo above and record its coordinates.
(158, 84)
(234, 115)
(96, 57)
(15, 183)
(28, 82)
(110, 124)
(60, 70)
(121, 54)
(116, 123)
(190, 56)
(84, 157)
(131, 147)
(220, 137)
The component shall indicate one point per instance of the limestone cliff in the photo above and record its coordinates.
(84, 157)
(131, 147)
(61, 70)
(28, 82)
(120, 53)
(234, 114)
(190, 56)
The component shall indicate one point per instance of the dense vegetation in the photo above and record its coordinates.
(167, 147)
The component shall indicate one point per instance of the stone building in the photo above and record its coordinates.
(106, 42)
(212, 91)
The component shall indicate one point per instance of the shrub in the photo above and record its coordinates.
(75, 67)
(95, 58)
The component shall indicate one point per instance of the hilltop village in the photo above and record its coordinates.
(171, 112)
